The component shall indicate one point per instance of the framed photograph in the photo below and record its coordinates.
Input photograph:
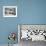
(9, 11)
(31, 32)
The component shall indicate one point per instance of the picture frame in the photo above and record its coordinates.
(39, 28)
(9, 11)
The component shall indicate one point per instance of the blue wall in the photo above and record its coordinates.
(29, 12)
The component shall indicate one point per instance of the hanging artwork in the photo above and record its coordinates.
(32, 32)
(9, 11)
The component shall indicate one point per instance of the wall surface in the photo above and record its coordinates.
(7, 25)
(29, 12)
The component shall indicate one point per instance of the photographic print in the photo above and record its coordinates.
(33, 32)
(9, 11)
(29, 34)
